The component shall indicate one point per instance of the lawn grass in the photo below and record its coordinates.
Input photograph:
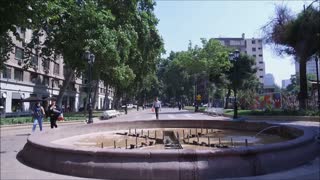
(277, 112)
(191, 108)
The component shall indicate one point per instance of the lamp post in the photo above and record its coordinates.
(317, 72)
(90, 58)
(234, 57)
(52, 84)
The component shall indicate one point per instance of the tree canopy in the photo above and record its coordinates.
(296, 35)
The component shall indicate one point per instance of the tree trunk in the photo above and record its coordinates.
(70, 75)
(227, 98)
(96, 90)
(106, 95)
(303, 94)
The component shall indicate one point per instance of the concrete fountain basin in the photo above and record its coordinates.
(42, 153)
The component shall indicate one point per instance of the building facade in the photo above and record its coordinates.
(285, 83)
(251, 47)
(43, 79)
(311, 67)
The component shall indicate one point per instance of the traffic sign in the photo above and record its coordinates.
(199, 97)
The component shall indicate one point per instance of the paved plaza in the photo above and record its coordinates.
(14, 138)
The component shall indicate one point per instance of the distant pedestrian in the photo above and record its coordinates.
(38, 114)
(157, 106)
(54, 113)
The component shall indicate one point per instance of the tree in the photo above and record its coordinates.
(298, 36)
(181, 70)
(9, 22)
(241, 75)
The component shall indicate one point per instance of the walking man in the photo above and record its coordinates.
(157, 106)
(38, 114)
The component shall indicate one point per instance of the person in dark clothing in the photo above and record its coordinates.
(54, 113)
(157, 106)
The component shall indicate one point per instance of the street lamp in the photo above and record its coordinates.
(90, 58)
(317, 72)
(234, 57)
(52, 83)
(3, 104)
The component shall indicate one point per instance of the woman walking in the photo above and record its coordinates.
(54, 113)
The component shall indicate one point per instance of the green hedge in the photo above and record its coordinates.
(29, 119)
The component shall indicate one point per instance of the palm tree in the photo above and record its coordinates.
(298, 36)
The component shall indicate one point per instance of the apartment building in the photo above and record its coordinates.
(285, 83)
(311, 68)
(251, 47)
(44, 79)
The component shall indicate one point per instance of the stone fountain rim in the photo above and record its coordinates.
(39, 141)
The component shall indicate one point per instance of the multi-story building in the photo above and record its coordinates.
(285, 83)
(43, 80)
(251, 47)
(269, 80)
(311, 67)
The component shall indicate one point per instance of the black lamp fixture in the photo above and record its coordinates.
(90, 59)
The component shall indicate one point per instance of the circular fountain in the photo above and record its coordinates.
(170, 149)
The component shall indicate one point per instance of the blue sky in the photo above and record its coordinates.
(181, 21)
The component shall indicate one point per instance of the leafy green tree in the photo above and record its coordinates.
(296, 35)
(13, 14)
(241, 75)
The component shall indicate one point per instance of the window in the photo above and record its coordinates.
(46, 65)
(254, 55)
(245, 52)
(253, 49)
(260, 55)
(22, 32)
(18, 74)
(45, 80)
(260, 69)
(259, 40)
(33, 77)
(260, 62)
(55, 82)
(253, 41)
(6, 73)
(259, 48)
(261, 76)
(19, 53)
(34, 60)
(56, 68)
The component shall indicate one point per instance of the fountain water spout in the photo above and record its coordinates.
(270, 127)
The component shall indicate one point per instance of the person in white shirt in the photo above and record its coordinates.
(157, 106)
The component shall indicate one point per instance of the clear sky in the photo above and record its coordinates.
(181, 21)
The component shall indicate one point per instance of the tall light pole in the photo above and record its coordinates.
(52, 83)
(317, 72)
(90, 58)
(234, 57)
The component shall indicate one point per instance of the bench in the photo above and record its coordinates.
(216, 111)
(109, 114)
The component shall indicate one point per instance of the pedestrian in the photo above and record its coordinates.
(157, 106)
(54, 113)
(38, 114)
